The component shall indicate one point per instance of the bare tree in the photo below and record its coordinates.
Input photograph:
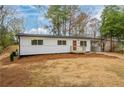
(10, 24)
(95, 27)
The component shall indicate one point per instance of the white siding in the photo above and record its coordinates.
(49, 45)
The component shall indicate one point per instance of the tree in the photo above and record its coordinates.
(94, 25)
(64, 17)
(81, 22)
(67, 20)
(10, 24)
(112, 23)
(54, 13)
(74, 11)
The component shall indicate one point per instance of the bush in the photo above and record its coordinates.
(14, 53)
(12, 56)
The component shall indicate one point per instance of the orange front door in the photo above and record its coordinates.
(74, 44)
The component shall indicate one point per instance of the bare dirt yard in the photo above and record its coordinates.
(73, 70)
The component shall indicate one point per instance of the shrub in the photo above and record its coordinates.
(14, 53)
(12, 56)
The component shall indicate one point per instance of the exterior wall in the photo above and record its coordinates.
(49, 45)
(96, 46)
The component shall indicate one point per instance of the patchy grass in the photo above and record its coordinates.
(83, 70)
(77, 72)
(117, 69)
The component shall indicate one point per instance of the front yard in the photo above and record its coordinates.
(81, 70)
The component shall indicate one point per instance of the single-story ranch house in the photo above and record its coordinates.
(32, 44)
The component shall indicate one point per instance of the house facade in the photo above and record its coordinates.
(32, 44)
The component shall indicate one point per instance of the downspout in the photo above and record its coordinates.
(19, 46)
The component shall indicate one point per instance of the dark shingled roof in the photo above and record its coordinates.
(54, 36)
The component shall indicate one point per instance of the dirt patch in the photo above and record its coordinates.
(43, 58)
(119, 55)
(10, 49)
(14, 76)
(63, 70)
(4, 56)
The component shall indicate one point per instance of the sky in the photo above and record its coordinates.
(34, 19)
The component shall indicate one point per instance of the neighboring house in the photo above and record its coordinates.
(32, 44)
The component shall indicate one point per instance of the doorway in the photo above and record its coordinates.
(74, 45)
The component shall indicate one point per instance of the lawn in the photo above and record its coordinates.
(83, 70)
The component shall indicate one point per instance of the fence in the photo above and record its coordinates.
(118, 46)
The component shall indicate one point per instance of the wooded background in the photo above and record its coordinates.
(67, 20)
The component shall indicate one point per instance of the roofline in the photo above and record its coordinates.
(53, 36)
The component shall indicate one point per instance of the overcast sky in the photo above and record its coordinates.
(34, 19)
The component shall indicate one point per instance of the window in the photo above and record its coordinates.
(40, 42)
(34, 42)
(64, 42)
(61, 42)
(83, 43)
(37, 42)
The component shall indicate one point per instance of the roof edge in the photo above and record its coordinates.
(53, 36)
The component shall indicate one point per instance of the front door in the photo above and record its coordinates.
(74, 44)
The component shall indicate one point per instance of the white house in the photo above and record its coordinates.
(32, 44)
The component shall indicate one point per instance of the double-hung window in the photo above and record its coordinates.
(37, 42)
(83, 43)
(61, 42)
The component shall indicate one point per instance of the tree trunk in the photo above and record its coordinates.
(70, 27)
(111, 42)
(65, 27)
(103, 44)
